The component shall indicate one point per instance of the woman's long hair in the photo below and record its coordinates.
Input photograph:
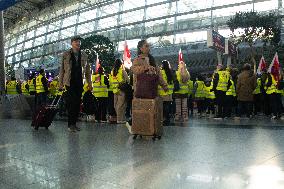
(116, 66)
(139, 52)
(101, 73)
(166, 67)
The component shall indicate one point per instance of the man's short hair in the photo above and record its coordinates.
(75, 38)
(41, 71)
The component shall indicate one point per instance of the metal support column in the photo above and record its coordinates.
(175, 24)
(2, 55)
(144, 18)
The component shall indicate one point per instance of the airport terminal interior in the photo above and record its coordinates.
(201, 150)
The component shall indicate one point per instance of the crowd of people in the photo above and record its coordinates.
(227, 92)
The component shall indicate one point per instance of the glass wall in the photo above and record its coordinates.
(164, 22)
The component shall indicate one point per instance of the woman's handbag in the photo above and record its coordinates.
(147, 86)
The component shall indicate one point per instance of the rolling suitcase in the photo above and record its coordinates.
(147, 117)
(46, 114)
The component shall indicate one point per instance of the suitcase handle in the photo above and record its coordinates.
(56, 100)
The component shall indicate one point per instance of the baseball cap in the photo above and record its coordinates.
(75, 38)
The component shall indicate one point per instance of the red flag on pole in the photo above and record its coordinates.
(126, 56)
(274, 67)
(97, 63)
(261, 66)
(180, 56)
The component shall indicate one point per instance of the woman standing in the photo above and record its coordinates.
(181, 95)
(145, 63)
(119, 76)
(167, 75)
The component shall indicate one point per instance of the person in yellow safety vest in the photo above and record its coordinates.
(190, 96)
(100, 91)
(11, 87)
(180, 96)
(257, 95)
(31, 85)
(41, 89)
(54, 87)
(230, 98)
(24, 87)
(111, 110)
(119, 76)
(200, 94)
(274, 95)
(220, 84)
(166, 96)
(209, 97)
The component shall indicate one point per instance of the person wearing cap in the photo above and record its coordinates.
(74, 68)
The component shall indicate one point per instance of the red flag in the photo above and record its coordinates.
(180, 56)
(274, 67)
(126, 56)
(261, 66)
(97, 63)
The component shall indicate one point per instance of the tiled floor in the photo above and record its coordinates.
(205, 154)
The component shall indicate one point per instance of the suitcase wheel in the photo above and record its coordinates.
(135, 136)
(36, 128)
(46, 128)
(159, 137)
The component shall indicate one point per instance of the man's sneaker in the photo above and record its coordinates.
(273, 117)
(77, 128)
(128, 126)
(121, 122)
(72, 129)
(218, 118)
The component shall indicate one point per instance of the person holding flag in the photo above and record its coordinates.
(181, 94)
(100, 91)
(271, 88)
(258, 91)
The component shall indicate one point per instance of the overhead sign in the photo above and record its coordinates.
(4, 4)
(230, 48)
(215, 41)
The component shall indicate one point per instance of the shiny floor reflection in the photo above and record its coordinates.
(202, 153)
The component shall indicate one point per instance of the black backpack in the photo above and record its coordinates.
(89, 103)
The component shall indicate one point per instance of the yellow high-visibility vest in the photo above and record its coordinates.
(24, 90)
(190, 87)
(110, 89)
(257, 89)
(273, 87)
(200, 91)
(183, 86)
(210, 94)
(224, 77)
(12, 87)
(53, 87)
(116, 80)
(99, 87)
(39, 84)
(85, 89)
(232, 90)
(31, 85)
(170, 86)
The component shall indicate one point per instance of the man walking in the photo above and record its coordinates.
(74, 68)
